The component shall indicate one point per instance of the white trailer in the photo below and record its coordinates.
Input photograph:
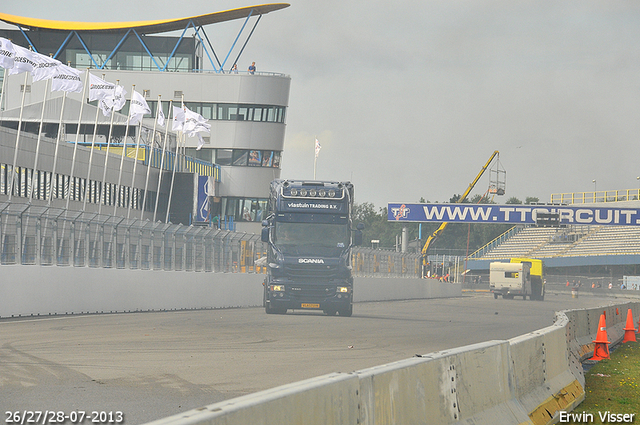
(510, 279)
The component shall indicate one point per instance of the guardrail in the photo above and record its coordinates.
(529, 379)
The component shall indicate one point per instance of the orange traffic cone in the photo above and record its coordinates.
(601, 351)
(629, 330)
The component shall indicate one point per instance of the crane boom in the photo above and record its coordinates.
(443, 225)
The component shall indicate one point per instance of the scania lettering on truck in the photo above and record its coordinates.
(309, 234)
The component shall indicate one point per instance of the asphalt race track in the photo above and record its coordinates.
(152, 365)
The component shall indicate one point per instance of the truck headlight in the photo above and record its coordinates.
(277, 288)
(344, 289)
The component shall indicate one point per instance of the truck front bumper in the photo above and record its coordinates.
(316, 296)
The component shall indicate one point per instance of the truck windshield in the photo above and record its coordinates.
(311, 238)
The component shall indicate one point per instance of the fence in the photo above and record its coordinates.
(47, 236)
(596, 196)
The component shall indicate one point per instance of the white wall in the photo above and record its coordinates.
(44, 290)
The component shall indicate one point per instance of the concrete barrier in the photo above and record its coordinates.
(398, 288)
(326, 400)
(43, 290)
(34, 290)
(529, 379)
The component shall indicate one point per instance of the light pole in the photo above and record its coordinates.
(595, 189)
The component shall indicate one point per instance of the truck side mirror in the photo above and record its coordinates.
(264, 236)
(357, 238)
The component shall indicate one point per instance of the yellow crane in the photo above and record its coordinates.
(442, 226)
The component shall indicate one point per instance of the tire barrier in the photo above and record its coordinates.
(529, 379)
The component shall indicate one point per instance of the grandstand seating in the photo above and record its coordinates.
(608, 240)
(569, 241)
(522, 243)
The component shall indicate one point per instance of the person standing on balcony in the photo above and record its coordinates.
(252, 68)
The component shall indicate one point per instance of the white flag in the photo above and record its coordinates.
(318, 147)
(7, 53)
(200, 142)
(178, 119)
(113, 102)
(194, 122)
(137, 108)
(24, 60)
(66, 79)
(105, 106)
(119, 99)
(99, 88)
(160, 114)
(45, 68)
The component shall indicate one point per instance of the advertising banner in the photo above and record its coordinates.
(512, 214)
(206, 188)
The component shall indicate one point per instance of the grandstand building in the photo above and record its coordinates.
(246, 111)
(573, 250)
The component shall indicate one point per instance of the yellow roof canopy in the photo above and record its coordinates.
(143, 27)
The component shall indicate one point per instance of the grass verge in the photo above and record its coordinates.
(613, 386)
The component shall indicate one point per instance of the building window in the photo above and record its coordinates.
(255, 158)
(223, 111)
(240, 156)
(245, 209)
(223, 156)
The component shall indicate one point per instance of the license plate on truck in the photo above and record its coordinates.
(308, 305)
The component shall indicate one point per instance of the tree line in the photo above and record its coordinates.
(456, 239)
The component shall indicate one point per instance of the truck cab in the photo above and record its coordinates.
(309, 234)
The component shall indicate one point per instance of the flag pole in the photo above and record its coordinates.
(135, 163)
(124, 147)
(35, 162)
(164, 146)
(315, 162)
(55, 154)
(30, 179)
(173, 176)
(72, 182)
(93, 146)
(315, 158)
(15, 152)
(4, 84)
(146, 182)
(106, 156)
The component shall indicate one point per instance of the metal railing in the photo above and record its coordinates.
(45, 236)
(596, 196)
(496, 242)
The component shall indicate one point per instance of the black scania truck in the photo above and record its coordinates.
(310, 235)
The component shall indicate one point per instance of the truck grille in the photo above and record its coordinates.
(311, 292)
(311, 271)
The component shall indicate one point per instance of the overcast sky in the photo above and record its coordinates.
(410, 98)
